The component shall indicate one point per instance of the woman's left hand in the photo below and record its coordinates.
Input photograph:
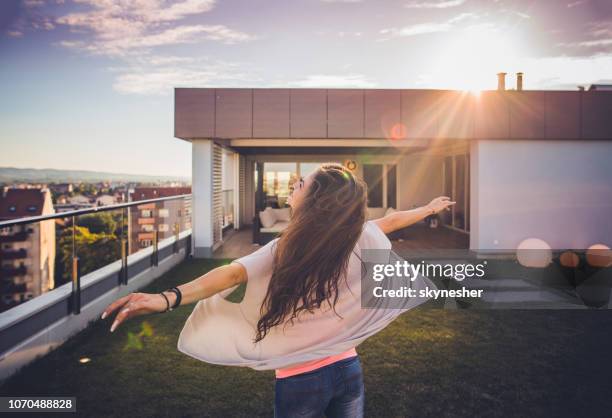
(135, 304)
(440, 203)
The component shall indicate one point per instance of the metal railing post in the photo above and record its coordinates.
(76, 279)
(123, 279)
(155, 248)
(124, 263)
(188, 247)
(76, 287)
(176, 237)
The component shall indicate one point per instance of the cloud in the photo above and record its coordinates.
(15, 33)
(33, 3)
(596, 40)
(327, 80)
(131, 43)
(419, 29)
(567, 72)
(427, 28)
(134, 32)
(443, 4)
(42, 22)
(161, 79)
(118, 28)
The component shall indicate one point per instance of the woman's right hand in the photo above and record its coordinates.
(439, 204)
(135, 304)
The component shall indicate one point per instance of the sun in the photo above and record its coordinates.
(473, 57)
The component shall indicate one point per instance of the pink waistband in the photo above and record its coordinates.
(314, 364)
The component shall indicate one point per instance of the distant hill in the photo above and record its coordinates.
(49, 175)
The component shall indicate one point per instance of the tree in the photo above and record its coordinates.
(98, 223)
(94, 250)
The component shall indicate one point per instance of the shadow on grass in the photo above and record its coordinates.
(428, 363)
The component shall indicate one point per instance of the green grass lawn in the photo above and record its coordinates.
(428, 363)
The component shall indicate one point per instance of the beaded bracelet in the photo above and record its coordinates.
(167, 302)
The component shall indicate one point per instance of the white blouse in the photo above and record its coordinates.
(222, 332)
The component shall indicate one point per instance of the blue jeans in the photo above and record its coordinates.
(335, 390)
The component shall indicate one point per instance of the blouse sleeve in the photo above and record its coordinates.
(259, 263)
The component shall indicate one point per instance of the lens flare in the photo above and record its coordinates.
(534, 252)
(599, 255)
(569, 259)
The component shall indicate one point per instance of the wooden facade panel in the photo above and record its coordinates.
(455, 112)
(271, 113)
(596, 115)
(562, 114)
(308, 113)
(391, 113)
(194, 113)
(419, 115)
(345, 113)
(382, 113)
(234, 113)
(492, 115)
(527, 118)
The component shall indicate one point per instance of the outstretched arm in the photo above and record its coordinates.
(404, 218)
(213, 282)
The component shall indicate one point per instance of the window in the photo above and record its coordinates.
(12, 208)
(382, 185)
(391, 186)
(457, 187)
(163, 213)
(277, 180)
(163, 228)
(146, 228)
(32, 208)
(145, 243)
(372, 175)
(145, 213)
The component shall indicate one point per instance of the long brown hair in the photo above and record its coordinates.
(312, 253)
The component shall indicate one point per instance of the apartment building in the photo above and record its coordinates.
(27, 252)
(163, 217)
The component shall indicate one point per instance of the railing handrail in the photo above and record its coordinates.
(67, 214)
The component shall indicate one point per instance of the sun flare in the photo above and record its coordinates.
(471, 60)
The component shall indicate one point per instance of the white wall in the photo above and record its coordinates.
(201, 185)
(558, 191)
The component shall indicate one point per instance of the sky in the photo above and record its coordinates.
(88, 84)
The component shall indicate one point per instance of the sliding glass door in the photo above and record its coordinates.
(382, 185)
(457, 186)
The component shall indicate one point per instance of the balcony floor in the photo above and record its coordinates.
(239, 242)
(428, 363)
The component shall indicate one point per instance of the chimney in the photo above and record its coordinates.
(501, 81)
(519, 81)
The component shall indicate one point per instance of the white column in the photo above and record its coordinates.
(236, 167)
(202, 188)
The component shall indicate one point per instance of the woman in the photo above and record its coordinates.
(300, 314)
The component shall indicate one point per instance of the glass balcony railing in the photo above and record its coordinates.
(59, 271)
(40, 254)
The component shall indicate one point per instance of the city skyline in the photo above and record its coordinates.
(88, 84)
